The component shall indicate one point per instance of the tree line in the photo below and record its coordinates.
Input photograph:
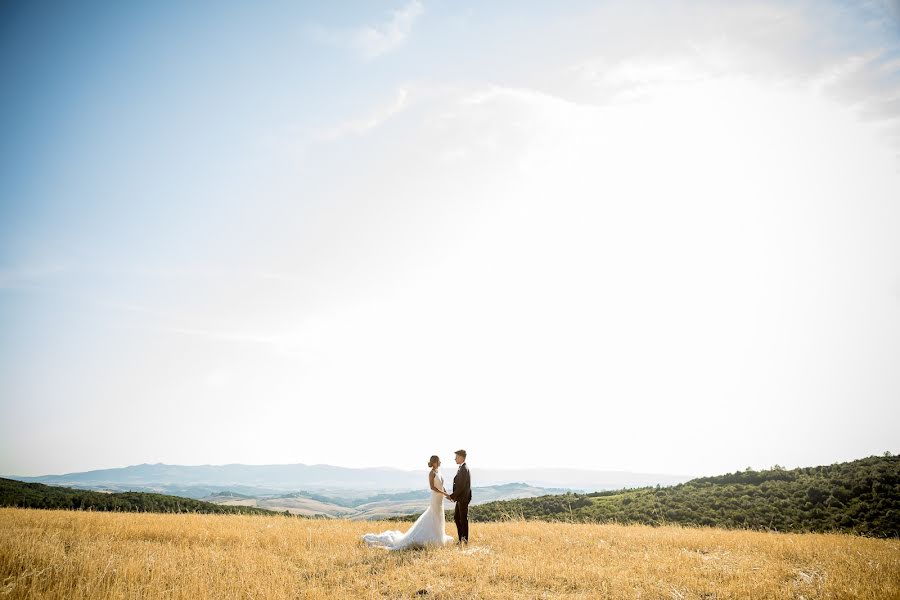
(37, 495)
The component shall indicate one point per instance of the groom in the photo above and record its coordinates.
(462, 495)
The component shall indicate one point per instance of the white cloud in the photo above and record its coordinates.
(375, 40)
(405, 97)
(853, 61)
(363, 125)
(372, 41)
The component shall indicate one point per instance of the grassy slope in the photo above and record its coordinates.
(79, 555)
(856, 497)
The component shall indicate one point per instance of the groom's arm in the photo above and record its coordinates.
(452, 495)
(465, 487)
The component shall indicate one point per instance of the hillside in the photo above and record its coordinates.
(37, 495)
(861, 497)
(61, 555)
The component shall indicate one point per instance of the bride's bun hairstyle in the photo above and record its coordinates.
(433, 460)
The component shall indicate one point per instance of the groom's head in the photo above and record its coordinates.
(460, 457)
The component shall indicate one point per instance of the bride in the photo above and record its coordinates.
(428, 530)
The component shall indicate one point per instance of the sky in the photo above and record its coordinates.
(649, 236)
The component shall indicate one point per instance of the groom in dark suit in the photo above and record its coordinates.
(462, 495)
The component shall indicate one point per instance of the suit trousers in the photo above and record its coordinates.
(461, 518)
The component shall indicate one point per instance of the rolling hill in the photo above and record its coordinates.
(381, 506)
(861, 497)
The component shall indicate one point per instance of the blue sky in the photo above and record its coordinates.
(288, 232)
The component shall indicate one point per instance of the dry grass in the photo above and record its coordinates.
(72, 555)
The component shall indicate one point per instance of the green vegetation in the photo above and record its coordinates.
(37, 495)
(861, 497)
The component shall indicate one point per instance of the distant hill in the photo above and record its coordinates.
(199, 481)
(233, 477)
(860, 497)
(37, 495)
(379, 506)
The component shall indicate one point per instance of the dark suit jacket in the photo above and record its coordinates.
(462, 485)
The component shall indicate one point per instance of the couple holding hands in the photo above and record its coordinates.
(429, 527)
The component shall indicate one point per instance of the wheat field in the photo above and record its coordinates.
(71, 555)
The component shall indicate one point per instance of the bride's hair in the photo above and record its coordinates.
(434, 458)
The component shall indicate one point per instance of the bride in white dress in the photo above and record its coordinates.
(428, 530)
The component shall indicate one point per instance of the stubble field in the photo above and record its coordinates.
(73, 555)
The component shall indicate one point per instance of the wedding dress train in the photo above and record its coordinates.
(428, 530)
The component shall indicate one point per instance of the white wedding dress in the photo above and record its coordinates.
(428, 530)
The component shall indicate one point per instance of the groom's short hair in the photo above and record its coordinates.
(461, 453)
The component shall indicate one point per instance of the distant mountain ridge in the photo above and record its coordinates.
(204, 480)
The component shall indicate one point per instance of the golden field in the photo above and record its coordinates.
(70, 555)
